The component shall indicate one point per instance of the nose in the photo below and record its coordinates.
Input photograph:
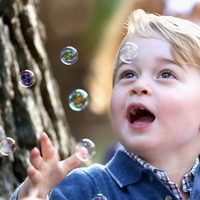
(141, 89)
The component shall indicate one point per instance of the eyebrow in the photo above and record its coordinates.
(167, 60)
(160, 60)
(170, 61)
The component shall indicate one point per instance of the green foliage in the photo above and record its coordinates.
(103, 11)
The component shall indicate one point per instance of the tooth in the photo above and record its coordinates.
(133, 112)
(141, 108)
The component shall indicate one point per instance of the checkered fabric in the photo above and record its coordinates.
(187, 180)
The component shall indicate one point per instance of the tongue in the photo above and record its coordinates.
(143, 120)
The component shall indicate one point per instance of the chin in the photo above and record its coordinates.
(141, 145)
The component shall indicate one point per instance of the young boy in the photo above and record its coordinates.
(155, 108)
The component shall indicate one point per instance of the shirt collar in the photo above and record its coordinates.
(125, 170)
(121, 168)
(187, 180)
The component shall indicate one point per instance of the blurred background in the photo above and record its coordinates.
(95, 28)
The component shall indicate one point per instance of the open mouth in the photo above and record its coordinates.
(139, 114)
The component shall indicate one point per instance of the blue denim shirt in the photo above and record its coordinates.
(121, 179)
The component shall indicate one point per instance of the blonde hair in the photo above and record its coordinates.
(183, 35)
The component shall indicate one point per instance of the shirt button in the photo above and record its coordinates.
(168, 197)
(155, 171)
(151, 178)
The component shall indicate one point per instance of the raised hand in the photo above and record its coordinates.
(46, 170)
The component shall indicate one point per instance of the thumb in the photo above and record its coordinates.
(70, 163)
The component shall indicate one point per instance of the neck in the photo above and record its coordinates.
(176, 166)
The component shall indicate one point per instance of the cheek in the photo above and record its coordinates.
(112, 104)
(116, 107)
(115, 100)
(113, 113)
(181, 109)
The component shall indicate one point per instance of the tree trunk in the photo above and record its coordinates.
(26, 112)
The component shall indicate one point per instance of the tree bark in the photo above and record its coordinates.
(26, 112)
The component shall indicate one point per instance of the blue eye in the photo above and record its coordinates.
(167, 75)
(128, 75)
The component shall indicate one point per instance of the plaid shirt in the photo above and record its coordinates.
(187, 180)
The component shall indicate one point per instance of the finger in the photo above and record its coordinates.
(35, 178)
(48, 150)
(70, 163)
(25, 188)
(36, 159)
(34, 175)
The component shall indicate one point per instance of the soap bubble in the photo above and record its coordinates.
(68, 55)
(99, 197)
(26, 78)
(85, 150)
(78, 100)
(7, 146)
(128, 52)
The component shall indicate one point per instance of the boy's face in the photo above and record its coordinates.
(155, 104)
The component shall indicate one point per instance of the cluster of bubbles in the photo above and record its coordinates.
(77, 100)
(128, 52)
(7, 146)
(99, 197)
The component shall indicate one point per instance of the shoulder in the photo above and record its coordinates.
(88, 173)
(81, 182)
(84, 183)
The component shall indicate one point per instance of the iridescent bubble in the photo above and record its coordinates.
(128, 52)
(26, 78)
(99, 197)
(7, 146)
(78, 100)
(85, 150)
(68, 55)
